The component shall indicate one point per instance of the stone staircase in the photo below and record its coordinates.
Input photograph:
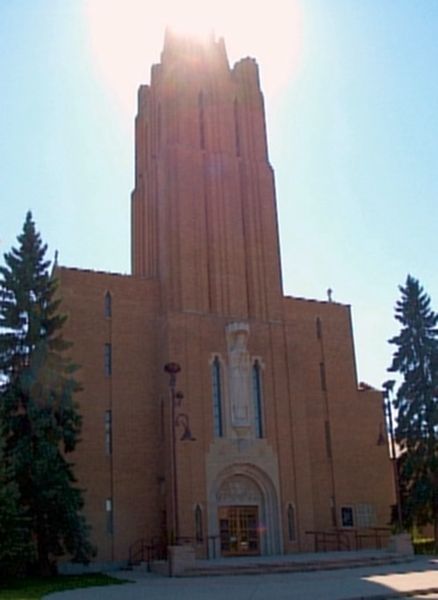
(292, 563)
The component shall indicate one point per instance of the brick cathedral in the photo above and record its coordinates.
(257, 433)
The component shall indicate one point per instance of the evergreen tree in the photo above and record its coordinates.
(416, 359)
(15, 545)
(38, 411)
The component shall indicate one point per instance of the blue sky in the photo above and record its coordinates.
(352, 125)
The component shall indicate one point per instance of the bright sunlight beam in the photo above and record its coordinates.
(126, 36)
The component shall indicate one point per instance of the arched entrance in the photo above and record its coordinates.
(243, 515)
(240, 508)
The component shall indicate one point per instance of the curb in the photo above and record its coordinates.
(391, 595)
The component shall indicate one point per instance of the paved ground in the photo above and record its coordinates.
(380, 583)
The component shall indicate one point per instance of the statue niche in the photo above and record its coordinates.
(239, 372)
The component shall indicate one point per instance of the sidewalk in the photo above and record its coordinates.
(377, 583)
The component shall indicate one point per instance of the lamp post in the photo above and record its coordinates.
(176, 420)
(388, 386)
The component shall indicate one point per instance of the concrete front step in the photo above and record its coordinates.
(290, 566)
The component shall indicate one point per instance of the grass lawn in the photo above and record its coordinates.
(35, 588)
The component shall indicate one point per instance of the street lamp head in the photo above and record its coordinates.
(172, 368)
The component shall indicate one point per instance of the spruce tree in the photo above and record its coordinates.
(416, 359)
(15, 540)
(39, 414)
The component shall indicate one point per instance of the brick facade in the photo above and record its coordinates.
(298, 438)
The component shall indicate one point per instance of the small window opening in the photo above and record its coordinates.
(108, 432)
(217, 397)
(347, 516)
(318, 328)
(328, 439)
(201, 120)
(322, 376)
(257, 398)
(291, 529)
(108, 367)
(108, 305)
(109, 515)
(159, 127)
(199, 533)
(236, 127)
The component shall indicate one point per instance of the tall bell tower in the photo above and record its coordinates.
(203, 209)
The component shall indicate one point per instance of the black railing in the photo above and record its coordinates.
(147, 551)
(350, 539)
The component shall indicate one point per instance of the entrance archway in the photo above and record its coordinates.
(243, 512)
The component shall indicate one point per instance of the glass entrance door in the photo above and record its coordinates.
(239, 532)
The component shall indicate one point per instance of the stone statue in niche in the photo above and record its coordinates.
(239, 372)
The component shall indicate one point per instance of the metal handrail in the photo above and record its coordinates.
(146, 551)
(342, 539)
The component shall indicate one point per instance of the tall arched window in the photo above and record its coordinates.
(108, 305)
(291, 529)
(217, 397)
(257, 398)
(199, 533)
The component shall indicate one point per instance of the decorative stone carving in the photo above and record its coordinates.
(239, 490)
(239, 371)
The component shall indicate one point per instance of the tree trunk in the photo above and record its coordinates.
(44, 566)
(435, 530)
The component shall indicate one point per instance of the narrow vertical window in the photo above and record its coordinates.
(107, 360)
(347, 516)
(318, 328)
(322, 376)
(199, 533)
(107, 306)
(291, 529)
(162, 419)
(109, 515)
(328, 439)
(201, 120)
(108, 433)
(236, 127)
(257, 398)
(159, 128)
(217, 397)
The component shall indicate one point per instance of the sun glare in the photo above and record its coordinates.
(126, 37)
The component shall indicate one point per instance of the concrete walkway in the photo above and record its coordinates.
(415, 579)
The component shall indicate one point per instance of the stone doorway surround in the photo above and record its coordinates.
(246, 484)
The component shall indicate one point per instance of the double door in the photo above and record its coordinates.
(239, 530)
